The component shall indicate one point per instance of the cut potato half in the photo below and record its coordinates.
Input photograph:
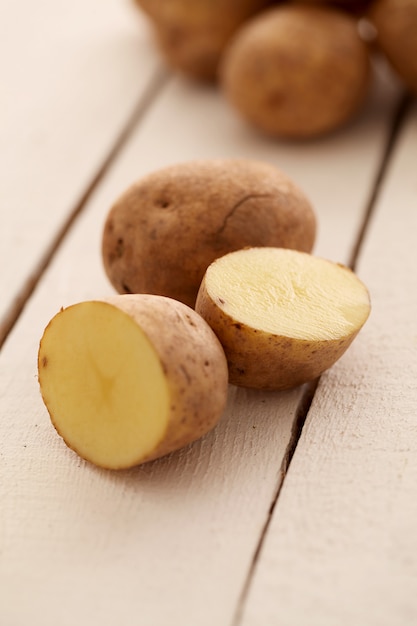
(282, 316)
(130, 379)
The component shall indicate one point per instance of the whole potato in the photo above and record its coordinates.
(164, 231)
(396, 25)
(193, 33)
(297, 71)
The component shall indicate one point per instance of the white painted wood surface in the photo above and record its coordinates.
(173, 542)
(72, 74)
(342, 546)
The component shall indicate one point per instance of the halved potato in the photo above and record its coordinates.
(130, 379)
(282, 316)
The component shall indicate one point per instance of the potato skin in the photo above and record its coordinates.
(261, 360)
(193, 361)
(192, 34)
(164, 231)
(297, 71)
(396, 25)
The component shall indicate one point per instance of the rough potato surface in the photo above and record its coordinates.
(164, 231)
(297, 71)
(193, 361)
(284, 363)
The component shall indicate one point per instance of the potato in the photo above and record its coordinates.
(282, 316)
(396, 25)
(132, 378)
(164, 231)
(193, 33)
(297, 71)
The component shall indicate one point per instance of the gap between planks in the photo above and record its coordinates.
(397, 121)
(399, 115)
(156, 85)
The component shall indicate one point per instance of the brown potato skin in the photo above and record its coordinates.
(396, 25)
(193, 361)
(192, 34)
(164, 231)
(261, 360)
(297, 71)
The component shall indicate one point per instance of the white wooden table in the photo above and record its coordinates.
(300, 508)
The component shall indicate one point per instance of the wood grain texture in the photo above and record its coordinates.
(71, 77)
(342, 547)
(170, 542)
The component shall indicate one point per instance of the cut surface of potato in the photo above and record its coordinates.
(282, 316)
(112, 389)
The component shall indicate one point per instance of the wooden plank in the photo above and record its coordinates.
(342, 547)
(71, 78)
(152, 545)
(335, 171)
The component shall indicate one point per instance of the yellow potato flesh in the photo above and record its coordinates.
(283, 317)
(103, 384)
(289, 293)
